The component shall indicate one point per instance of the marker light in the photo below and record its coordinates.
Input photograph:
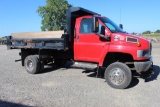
(138, 44)
(97, 24)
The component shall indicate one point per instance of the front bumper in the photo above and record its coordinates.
(143, 66)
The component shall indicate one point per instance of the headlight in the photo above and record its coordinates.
(143, 53)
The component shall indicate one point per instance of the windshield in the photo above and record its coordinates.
(111, 25)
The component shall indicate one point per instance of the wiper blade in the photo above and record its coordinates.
(114, 31)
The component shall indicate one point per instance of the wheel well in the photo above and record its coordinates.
(117, 57)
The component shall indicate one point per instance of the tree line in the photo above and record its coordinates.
(149, 32)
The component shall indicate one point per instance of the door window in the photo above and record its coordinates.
(86, 26)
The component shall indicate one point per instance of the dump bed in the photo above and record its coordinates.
(38, 40)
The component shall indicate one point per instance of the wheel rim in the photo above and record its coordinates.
(117, 76)
(29, 65)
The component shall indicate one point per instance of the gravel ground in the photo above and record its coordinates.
(72, 87)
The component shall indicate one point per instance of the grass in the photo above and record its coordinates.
(2, 38)
(156, 35)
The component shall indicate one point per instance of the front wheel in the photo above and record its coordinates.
(118, 75)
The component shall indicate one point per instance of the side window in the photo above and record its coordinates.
(86, 25)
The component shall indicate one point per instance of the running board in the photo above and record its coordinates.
(84, 65)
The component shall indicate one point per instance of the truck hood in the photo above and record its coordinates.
(136, 36)
(125, 35)
(130, 39)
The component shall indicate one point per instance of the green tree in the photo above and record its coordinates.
(133, 33)
(157, 31)
(53, 14)
(147, 32)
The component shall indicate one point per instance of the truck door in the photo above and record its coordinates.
(87, 45)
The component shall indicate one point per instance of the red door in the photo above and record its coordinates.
(87, 45)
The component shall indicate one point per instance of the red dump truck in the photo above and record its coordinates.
(89, 38)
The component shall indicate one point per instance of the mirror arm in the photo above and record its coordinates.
(108, 37)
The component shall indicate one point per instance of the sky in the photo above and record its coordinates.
(135, 15)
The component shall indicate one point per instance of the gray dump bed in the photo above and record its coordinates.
(38, 40)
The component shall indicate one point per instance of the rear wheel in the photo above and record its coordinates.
(118, 75)
(32, 64)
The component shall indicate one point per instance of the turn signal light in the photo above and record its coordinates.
(138, 44)
(97, 24)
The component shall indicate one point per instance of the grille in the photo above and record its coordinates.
(133, 40)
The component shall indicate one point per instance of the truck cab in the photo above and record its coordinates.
(93, 41)
(98, 39)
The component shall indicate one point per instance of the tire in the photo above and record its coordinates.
(32, 64)
(118, 75)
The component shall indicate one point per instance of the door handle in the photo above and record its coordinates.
(77, 38)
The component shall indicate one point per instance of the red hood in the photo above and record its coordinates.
(130, 35)
(145, 43)
(136, 36)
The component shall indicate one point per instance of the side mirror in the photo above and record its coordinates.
(95, 24)
(102, 30)
(121, 26)
(103, 34)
